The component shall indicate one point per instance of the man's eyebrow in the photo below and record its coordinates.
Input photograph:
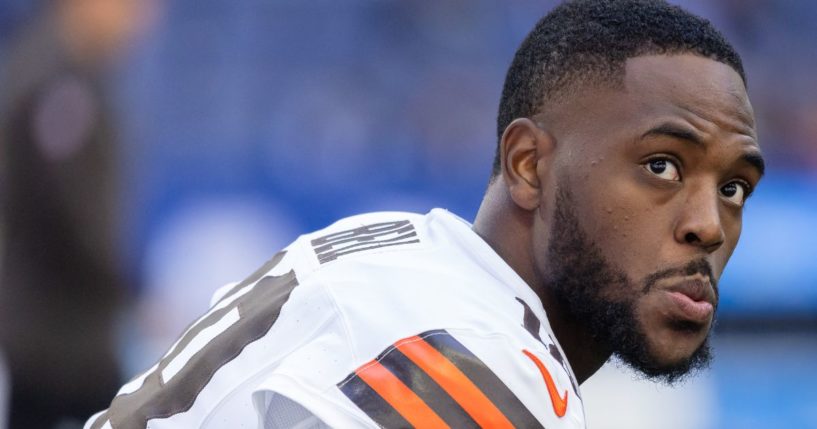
(755, 159)
(674, 131)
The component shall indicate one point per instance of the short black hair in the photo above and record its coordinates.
(589, 41)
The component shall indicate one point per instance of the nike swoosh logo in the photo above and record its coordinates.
(559, 402)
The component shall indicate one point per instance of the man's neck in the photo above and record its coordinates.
(506, 228)
(584, 353)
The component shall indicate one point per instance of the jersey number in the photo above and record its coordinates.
(242, 316)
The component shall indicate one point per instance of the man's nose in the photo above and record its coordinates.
(699, 221)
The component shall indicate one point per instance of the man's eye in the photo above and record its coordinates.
(663, 168)
(735, 192)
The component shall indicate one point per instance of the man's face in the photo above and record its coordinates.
(649, 181)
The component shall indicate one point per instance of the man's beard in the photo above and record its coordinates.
(598, 295)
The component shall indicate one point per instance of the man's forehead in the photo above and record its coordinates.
(705, 88)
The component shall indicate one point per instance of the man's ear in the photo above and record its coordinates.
(525, 154)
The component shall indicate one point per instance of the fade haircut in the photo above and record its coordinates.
(587, 42)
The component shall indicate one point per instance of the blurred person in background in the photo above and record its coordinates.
(4, 391)
(62, 283)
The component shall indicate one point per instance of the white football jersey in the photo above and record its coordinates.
(380, 320)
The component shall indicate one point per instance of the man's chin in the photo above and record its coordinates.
(666, 370)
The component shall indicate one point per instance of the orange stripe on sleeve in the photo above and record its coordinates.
(454, 382)
(399, 396)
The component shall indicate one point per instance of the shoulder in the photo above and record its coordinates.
(439, 378)
(366, 234)
(423, 330)
(375, 248)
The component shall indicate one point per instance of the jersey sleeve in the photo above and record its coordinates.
(434, 379)
(207, 376)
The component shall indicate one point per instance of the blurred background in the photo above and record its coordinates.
(154, 150)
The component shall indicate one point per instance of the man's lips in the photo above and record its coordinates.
(697, 288)
(693, 297)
